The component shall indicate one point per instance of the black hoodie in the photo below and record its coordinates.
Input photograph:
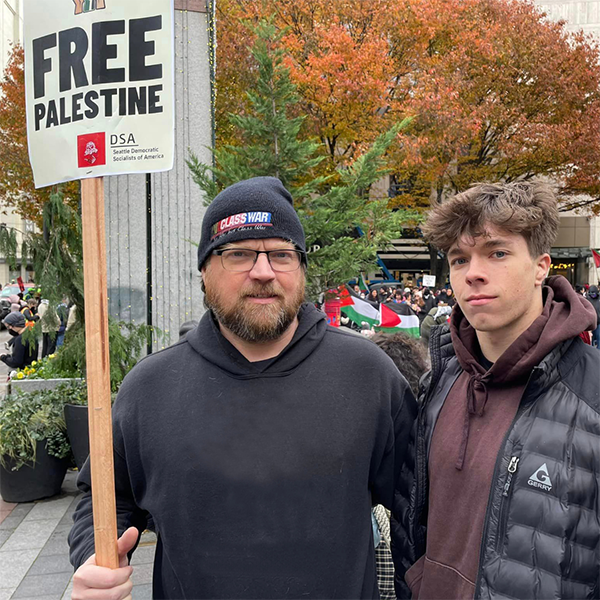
(259, 476)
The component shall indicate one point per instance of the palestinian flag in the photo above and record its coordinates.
(596, 258)
(394, 317)
(359, 311)
(362, 284)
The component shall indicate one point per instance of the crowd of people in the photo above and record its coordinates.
(30, 309)
(420, 298)
(258, 445)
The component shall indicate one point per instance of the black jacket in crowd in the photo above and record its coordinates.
(259, 477)
(537, 543)
(22, 354)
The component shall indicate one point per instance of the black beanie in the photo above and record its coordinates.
(248, 210)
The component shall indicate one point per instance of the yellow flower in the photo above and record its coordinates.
(20, 375)
(31, 371)
(52, 356)
(34, 363)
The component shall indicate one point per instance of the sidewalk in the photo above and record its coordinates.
(34, 555)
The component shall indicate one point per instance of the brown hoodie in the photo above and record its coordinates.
(469, 432)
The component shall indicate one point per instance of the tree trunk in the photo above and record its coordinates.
(433, 261)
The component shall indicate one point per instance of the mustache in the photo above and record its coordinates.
(261, 291)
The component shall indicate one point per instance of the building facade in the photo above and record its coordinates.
(11, 28)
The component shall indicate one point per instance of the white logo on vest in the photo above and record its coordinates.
(540, 479)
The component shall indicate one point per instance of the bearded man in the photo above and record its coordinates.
(258, 443)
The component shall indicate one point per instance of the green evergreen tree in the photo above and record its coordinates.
(344, 225)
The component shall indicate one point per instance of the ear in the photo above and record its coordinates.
(542, 269)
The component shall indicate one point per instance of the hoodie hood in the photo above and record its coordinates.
(208, 341)
(564, 316)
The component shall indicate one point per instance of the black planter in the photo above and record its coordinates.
(33, 482)
(76, 418)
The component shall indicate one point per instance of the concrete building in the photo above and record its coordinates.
(11, 28)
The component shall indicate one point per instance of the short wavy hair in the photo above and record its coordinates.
(527, 208)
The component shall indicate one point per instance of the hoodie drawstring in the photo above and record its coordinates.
(477, 386)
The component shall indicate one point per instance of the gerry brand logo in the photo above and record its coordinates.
(83, 6)
(540, 479)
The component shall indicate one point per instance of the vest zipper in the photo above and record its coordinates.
(503, 516)
(486, 523)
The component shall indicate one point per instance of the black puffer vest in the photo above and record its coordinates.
(541, 536)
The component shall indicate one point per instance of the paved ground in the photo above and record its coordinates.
(34, 562)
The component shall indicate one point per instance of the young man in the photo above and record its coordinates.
(259, 443)
(503, 497)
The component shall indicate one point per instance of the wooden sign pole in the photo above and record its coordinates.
(98, 372)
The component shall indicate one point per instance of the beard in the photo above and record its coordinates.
(255, 322)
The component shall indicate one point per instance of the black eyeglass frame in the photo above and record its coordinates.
(267, 252)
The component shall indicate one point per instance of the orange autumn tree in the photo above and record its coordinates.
(497, 90)
(501, 93)
(17, 189)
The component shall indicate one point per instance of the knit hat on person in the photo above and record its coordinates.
(14, 319)
(253, 209)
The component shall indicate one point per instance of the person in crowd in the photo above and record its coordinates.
(501, 497)
(50, 326)
(62, 311)
(250, 442)
(358, 291)
(374, 296)
(407, 353)
(594, 299)
(72, 317)
(22, 353)
(429, 300)
(30, 313)
(419, 304)
(447, 297)
(438, 315)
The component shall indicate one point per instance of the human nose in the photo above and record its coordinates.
(262, 271)
(476, 273)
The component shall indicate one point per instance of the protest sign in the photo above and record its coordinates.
(429, 281)
(99, 87)
(99, 93)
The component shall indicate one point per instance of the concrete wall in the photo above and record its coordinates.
(11, 27)
(578, 15)
(176, 206)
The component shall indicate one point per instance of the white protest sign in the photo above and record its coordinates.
(99, 87)
(429, 281)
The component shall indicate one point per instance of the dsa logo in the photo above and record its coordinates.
(83, 6)
(91, 150)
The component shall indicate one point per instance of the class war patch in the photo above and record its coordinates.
(241, 221)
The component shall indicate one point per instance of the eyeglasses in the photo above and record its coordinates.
(240, 260)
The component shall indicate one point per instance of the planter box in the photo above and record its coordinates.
(42, 479)
(76, 418)
(33, 385)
